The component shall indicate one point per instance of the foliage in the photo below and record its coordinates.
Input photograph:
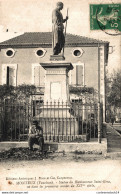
(113, 89)
(78, 90)
(6, 91)
(88, 94)
(20, 92)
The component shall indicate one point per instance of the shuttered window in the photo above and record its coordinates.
(38, 75)
(77, 77)
(9, 74)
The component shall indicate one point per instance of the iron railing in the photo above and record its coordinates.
(61, 121)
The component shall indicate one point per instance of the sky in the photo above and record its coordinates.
(35, 15)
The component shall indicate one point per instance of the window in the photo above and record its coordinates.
(9, 74)
(10, 52)
(40, 52)
(76, 75)
(38, 75)
(77, 52)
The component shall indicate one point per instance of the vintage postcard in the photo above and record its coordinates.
(60, 95)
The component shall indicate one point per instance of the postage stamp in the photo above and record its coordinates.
(105, 17)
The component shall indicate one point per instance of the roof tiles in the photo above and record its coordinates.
(45, 38)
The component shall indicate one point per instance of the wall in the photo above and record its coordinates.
(90, 60)
(25, 57)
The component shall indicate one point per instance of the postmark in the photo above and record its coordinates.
(106, 17)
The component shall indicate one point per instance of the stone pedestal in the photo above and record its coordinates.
(56, 82)
(55, 116)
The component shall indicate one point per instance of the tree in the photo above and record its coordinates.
(113, 93)
(114, 89)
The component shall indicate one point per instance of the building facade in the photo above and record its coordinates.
(21, 58)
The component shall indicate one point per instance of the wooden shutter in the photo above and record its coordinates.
(42, 76)
(11, 78)
(79, 75)
(39, 74)
(9, 74)
(73, 75)
(4, 74)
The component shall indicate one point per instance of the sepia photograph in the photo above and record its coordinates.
(60, 96)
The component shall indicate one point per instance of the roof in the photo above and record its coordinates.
(31, 39)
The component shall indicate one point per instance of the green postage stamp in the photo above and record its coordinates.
(105, 17)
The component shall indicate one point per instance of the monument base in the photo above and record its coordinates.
(57, 121)
(57, 58)
(55, 116)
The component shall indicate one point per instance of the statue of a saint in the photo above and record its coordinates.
(58, 38)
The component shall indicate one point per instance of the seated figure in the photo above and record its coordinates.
(35, 136)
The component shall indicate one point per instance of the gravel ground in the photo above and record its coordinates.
(22, 164)
(24, 154)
